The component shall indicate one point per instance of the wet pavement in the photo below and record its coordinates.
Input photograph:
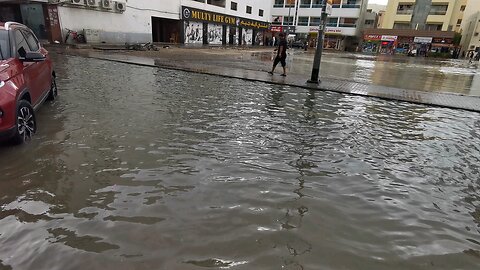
(206, 61)
(421, 74)
(147, 168)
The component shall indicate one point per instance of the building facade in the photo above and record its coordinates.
(433, 15)
(471, 28)
(213, 22)
(471, 34)
(301, 19)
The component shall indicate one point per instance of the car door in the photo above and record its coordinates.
(43, 67)
(30, 72)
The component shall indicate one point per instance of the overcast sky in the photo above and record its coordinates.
(383, 2)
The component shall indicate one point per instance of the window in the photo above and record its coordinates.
(302, 21)
(287, 20)
(249, 9)
(348, 22)
(459, 21)
(315, 21)
(462, 8)
(218, 3)
(278, 3)
(476, 34)
(434, 27)
(277, 20)
(316, 3)
(233, 6)
(405, 9)
(438, 10)
(31, 40)
(305, 3)
(332, 22)
(401, 25)
(260, 12)
(20, 41)
(4, 45)
(290, 3)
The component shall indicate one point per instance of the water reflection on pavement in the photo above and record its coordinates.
(144, 168)
(416, 73)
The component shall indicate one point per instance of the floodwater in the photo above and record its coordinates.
(416, 73)
(146, 168)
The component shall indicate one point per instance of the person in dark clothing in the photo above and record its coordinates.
(281, 55)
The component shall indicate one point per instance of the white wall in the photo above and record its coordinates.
(241, 11)
(134, 25)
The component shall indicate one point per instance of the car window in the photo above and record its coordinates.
(20, 41)
(31, 40)
(4, 45)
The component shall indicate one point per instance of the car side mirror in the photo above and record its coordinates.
(30, 56)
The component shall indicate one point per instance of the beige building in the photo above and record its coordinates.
(432, 15)
(471, 33)
(471, 27)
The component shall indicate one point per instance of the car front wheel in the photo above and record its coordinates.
(52, 95)
(26, 123)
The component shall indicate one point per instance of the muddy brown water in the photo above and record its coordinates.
(146, 168)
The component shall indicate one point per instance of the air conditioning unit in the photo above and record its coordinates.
(121, 6)
(106, 4)
(91, 3)
(77, 2)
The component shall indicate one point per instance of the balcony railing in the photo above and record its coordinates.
(332, 24)
(405, 12)
(351, 6)
(351, 25)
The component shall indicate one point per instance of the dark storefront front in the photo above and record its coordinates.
(166, 30)
(42, 18)
(209, 28)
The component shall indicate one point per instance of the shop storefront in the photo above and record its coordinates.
(38, 16)
(209, 28)
(383, 44)
(404, 41)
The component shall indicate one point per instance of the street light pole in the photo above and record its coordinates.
(288, 27)
(318, 52)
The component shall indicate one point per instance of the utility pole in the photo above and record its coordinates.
(319, 51)
(290, 3)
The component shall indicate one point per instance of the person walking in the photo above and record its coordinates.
(281, 55)
(470, 57)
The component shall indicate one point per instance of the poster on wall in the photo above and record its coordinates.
(232, 32)
(215, 32)
(193, 33)
(247, 36)
(259, 38)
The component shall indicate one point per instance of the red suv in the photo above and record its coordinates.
(27, 79)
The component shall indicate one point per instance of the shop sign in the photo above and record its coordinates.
(276, 28)
(389, 38)
(193, 14)
(327, 30)
(372, 37)
(333, 31)
(423, 40)
(443, 40)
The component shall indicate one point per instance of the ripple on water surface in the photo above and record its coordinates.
(160, 169)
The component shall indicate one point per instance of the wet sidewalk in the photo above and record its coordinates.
(449, 100)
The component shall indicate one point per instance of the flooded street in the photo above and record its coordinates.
(148, 168)
(416, 73)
